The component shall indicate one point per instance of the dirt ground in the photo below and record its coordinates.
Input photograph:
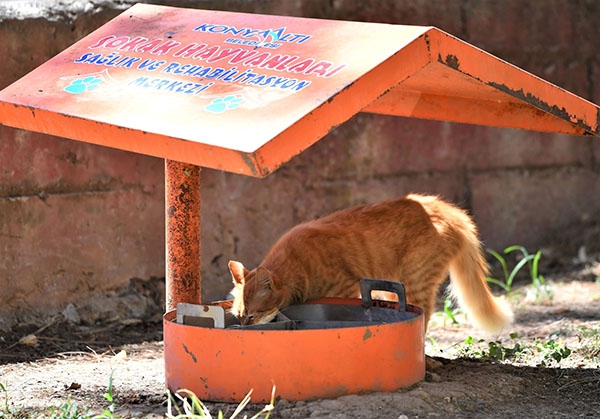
(75, 362)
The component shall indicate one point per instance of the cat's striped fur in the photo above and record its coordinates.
(416, 240)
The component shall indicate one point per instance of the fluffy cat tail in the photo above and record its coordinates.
(468, 271)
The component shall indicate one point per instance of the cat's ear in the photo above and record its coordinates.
(238, 272)
(266, 278)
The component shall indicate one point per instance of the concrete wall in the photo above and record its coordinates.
(77, 221)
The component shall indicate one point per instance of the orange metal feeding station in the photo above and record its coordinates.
(245, 93)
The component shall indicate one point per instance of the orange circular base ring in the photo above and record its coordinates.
(225, 364)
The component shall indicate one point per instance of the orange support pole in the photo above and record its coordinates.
(182, 230)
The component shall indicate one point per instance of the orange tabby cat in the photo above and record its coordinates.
(416, 240)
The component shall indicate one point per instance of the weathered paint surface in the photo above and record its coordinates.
(182, 207)
(461, 83)
(277, 77)
(264, 72)
(302, 364)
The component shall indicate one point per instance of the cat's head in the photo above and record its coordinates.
(257, 294)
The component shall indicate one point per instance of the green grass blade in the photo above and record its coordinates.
(502, 261)
(192, 406)
(448, 311)
(499, 283)
(517, 268)
(535, 263)
(521, 249)
(5, 391)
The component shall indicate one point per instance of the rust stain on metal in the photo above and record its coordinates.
(451, 61)
(182, 207)
(189, 352)
(427, 42)
(250, 163)
(555, 110)
(266, 171)
(331, 98)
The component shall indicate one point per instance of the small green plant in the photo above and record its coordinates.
(5, 391)
(501, 352)
(531, 261)
(539, 283)
(450, 311)
(7, 411)
(471, 348)
(550, 351)
(495, 350)
(192, 407)
(433, 348)
(109, 412)
(70, 410)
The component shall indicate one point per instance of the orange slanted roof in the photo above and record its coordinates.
(245, 92)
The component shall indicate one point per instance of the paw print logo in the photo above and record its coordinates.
(81, 85)
(222, 104)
